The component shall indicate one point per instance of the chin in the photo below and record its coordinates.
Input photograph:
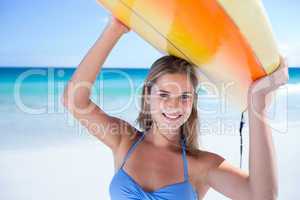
(171, 125)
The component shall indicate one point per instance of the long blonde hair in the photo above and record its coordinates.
(173, 65)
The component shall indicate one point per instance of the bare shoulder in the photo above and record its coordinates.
(200, 162)
(127, 141)
(204, 160)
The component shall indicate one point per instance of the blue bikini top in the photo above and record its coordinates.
(124, 187)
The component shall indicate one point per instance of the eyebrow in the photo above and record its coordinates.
(165, 91)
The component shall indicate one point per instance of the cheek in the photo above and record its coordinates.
(187, 107)
(155, 105)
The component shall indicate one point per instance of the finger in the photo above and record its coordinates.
(283, 62)
(281, 71)
(285, 70)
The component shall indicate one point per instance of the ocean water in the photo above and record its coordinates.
(46, 154)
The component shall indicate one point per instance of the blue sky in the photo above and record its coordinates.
(59, 33)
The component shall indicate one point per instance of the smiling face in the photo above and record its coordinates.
(171, 100)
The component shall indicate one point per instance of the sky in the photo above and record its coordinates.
(59, 33)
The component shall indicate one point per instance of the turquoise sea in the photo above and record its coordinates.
(45, 154)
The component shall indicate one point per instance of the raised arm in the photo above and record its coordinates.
(263, 178)
(261, 183)
(76, 96)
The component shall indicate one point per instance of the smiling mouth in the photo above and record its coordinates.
(171, 117)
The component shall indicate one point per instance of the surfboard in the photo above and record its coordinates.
(230, 41)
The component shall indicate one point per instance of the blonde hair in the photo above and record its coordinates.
(173, 65)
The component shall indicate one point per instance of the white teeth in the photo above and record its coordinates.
(172, 116)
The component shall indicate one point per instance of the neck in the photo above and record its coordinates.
(164, 138)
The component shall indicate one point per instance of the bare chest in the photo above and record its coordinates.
(153, 169)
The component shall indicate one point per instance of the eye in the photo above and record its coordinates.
(185, 97)
(163, 95)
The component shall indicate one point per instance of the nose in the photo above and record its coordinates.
(173, 103)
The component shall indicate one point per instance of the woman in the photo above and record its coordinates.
(169, 138)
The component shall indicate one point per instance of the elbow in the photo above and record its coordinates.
(67, 99)
(73, 100)
(74, 103)
(64, 99)
(70, 104)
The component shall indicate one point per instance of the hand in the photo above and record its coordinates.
(118, 25)
(259, 94)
